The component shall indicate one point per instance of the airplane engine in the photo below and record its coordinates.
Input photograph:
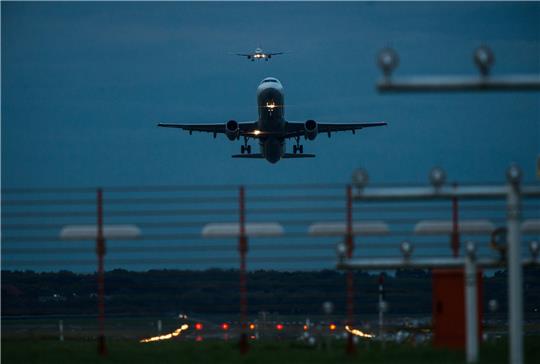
(232, 130)
(311, 129)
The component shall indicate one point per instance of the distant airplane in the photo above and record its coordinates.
(271, 128)
(259, 54)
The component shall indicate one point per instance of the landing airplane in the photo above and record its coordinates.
(258, 54)
(271, 128)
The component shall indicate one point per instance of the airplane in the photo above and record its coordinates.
(258, 54)
(271, 128)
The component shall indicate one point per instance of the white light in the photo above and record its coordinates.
(252, 229)
(337, 228)
(271, 105)
(257, 132)
(89, 232)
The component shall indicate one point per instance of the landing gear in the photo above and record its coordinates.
(245, 148)
(298, 147)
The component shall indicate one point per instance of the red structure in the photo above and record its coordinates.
(242, 249)
(350, 274)
(100, 251)
(455, 226)
(449, 308)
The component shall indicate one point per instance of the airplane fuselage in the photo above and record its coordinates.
(270, 102)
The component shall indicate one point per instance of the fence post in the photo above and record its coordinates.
(61, 330)
(242, 248)
(382, 304)
(471, 304)
(455, 225)
(350, 273)
(515, 271)
(100, 250)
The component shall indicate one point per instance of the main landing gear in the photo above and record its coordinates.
(245, 148)
(298, 148)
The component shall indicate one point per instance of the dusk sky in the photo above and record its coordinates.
(84, 84)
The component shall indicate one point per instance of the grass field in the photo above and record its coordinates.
(131, 352)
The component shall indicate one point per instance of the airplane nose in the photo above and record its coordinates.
(269, 93)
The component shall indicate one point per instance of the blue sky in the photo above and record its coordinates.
(83, 85)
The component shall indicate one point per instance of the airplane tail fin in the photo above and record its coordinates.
(291, 155)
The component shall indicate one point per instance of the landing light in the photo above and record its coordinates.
(257, 132)
(271, 105)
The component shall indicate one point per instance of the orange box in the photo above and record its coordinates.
(449, 308)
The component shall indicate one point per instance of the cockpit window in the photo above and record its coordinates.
(270, 80)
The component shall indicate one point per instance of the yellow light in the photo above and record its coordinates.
(175, 333)
(332, 327)
(271, 105)
(257, 132)
(357, 332)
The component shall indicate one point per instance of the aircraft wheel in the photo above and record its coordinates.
(301, 148)
(242, 149)
(248, 149)
(294, 149)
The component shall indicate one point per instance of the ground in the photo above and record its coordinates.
(130, 351)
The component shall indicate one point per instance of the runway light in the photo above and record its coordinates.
(225, 326)
(175, 333)
(332, 327)
(198, 326)
(306, 328)
(279, 327)
(252, 326)
(256, 132)
(357, 332)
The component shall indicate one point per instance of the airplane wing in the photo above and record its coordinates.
(291, 156)
(244, 55)
(246, 128)
(275, 54)
(252, 156)
(285, 156)
(296, 129)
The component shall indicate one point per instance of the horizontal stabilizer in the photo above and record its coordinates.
(291, 155)
(254, 155)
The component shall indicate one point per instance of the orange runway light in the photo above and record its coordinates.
(306, 328)
(198, 326)
(252, 326)
(332, 327)
(225, 326)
